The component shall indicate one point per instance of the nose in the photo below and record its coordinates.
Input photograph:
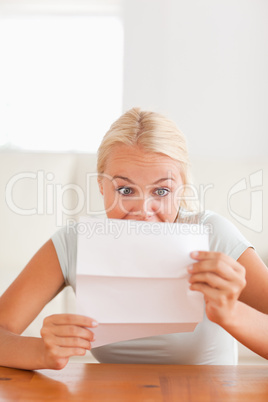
(143, 208)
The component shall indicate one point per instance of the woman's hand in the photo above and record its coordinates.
(65, 335)
(221, 279)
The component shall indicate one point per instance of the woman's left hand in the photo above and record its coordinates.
(221, 279)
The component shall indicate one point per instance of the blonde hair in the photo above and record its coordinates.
(153, 133)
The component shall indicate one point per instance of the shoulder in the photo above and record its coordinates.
(65, 243)
(224, 236)
(67, 235)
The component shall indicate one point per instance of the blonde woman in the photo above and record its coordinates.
(143, 175)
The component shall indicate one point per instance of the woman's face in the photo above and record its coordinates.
(140, 185)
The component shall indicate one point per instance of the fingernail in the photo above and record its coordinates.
(190, 268)
(195, 254)
(94, 323)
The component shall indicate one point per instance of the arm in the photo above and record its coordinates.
(63, 335)
(257, 281)
(231, 301)
(250, 327)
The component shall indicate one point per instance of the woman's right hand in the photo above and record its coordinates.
(65, 335)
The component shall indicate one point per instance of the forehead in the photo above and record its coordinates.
(131, 159)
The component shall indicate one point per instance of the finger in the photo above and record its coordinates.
(71, 319)
(205, 255)
(61, 352)
(211, 280)
(69, 342)
(72, 331)
(218, 288)
(227, 279)
(209, 293)
(213, 255)
(219, 268)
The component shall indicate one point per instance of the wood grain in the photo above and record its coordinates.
(119, 382)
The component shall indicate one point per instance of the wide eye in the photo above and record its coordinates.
(124, 190)
(162, 192)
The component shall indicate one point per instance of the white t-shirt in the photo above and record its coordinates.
(207, 344)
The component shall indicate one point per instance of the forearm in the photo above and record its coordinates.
(21, 352)
(250, 327)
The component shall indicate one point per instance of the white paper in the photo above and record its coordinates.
(132, 277)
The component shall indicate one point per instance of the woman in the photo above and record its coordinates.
(143, 175)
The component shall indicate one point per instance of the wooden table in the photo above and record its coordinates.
(126, 382)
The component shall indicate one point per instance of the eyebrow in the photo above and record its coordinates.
(130, 181)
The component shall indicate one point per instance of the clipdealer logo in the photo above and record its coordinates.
(255, 220)
(49, 196)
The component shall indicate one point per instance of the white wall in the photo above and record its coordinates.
(204, 64)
